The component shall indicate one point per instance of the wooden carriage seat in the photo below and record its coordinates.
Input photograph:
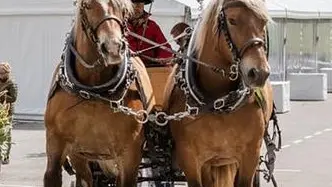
(158, 76)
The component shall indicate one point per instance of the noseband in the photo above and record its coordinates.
(91, 32)
(237, 54)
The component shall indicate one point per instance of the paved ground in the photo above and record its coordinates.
(305, 160)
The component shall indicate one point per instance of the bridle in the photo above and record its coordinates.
(237, 53)
(91, 32)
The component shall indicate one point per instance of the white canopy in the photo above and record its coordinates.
(301, 9)
(189, 3)
(297, 9)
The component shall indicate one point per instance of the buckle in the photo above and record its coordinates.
(234, 70)
(84, 94)
(115, 105)
(219, 104)
(161, 119)
(193, 111)
(142, 116)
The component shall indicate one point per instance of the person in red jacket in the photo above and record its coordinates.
(141, 24)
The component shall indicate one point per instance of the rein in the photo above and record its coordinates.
(237, 54)
(236, 98)
(194, 99)
(186, 32)
(183, 56)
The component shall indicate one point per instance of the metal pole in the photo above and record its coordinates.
(316, 42)
(284, 48)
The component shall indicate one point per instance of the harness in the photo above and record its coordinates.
(115, 89)
(185, 78)
(196, 102)
(159, 144)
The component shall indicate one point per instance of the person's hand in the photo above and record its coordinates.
(166, 62)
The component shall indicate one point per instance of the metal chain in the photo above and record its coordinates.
(161, 118)
(140, 116)
(270, 157)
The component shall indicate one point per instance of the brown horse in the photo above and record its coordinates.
(99, 98)
(227, 94)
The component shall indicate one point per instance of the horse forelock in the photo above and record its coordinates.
(117, 4)
(122, 7)
(210, 19)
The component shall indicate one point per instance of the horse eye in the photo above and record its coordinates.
(232, 21)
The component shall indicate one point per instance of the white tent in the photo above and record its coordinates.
(33, 32)
(300, 9)
(31, 38)
(297, 9)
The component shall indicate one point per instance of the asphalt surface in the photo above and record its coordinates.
(304, 161)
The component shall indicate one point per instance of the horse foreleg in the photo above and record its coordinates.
(247, 169)
(83, 172)
(54, 150)
(189, 164)
(129, 170)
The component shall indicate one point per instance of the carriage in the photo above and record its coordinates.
(156, 163)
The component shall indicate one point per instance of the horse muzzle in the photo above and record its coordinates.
(256, 77)
(113, 52)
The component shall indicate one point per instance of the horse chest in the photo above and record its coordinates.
(222, 133)
(95, 119)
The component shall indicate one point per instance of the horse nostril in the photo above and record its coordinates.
(104, 48)
(253, 74)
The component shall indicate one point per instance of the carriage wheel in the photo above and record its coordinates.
(257, 179)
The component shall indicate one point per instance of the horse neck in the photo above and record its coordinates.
(90, 76)
(213, 83)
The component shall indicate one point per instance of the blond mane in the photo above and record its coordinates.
(208, 26)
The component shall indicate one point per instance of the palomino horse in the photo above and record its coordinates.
(227, 94)
(99, 98)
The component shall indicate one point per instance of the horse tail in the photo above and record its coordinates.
(224, 176)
